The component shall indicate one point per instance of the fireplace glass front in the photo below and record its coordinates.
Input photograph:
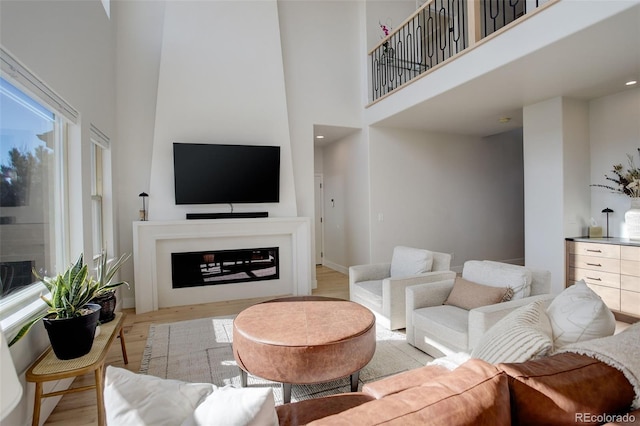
(194, 269)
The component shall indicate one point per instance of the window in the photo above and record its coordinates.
(30, 152)
(33, 196)
(96, 197)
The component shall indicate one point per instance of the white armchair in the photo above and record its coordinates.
(441, 330)
(381, 287)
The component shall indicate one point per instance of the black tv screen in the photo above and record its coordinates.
(217, 173)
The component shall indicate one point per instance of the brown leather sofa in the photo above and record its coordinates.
(564, 389)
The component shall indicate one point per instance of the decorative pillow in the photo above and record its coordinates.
(499, 274)
(469, 295)
(232, 406)
(523, 334)
(138, 400)
(410, 261)
(579, 314)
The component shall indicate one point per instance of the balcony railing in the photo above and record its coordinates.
(437, 31)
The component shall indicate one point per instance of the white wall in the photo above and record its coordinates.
(576, 159)
(614, 130)
(318, 164)
(346, 202)
(556, 146)
(216, 88)
(329, 94)
(70, 46)
(139, 41)
(543, 177)
(448, 193)
(322, 47)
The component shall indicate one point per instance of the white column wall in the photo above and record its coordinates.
(576, 161)
(139, 40)
(217, 88)
(556, 157)
(543, 188)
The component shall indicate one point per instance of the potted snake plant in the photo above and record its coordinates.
(106, 294)
(70, 318)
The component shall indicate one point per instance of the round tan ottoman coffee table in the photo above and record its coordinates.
(304, 340)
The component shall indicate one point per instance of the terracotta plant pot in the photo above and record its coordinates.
(73, 337)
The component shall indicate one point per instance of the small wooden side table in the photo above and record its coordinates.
(48, 367)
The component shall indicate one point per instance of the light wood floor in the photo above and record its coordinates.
(79, 409)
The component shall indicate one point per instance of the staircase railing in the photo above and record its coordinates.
(438, 31)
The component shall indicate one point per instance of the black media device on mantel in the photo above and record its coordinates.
(227, 215)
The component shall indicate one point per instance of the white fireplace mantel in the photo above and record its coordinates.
(154, 241)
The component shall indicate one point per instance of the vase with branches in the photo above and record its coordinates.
(626, 181)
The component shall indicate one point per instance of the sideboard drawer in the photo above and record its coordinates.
(610, 296)
(595, 249)
(606, 279)
(630, 283)
(630, 302)
(630, 267)
(594, 263)
(610, 267)
(630, 253)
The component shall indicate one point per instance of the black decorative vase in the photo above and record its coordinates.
(73, 337)
(107, 304)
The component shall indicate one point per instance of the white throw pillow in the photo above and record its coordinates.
(137, 400)
(523, 334)
(140, 400)
(408, 261)
(579, 314)
(232, 406)
(498, 274)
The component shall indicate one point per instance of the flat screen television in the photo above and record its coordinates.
(226, 174)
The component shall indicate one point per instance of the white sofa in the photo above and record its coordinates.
(441, 330)
(381, 286)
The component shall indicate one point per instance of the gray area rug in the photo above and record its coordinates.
(199, 351)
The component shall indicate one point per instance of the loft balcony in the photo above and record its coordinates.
(458, 66)
(437, 32)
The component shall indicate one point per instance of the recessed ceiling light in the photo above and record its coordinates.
(319, 137)
(504, 119)
(631, 82)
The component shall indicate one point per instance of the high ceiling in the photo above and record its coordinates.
(588, 64)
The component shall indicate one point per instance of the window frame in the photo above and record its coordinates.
(19, 307)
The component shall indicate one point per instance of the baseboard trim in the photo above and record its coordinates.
(128, 302)
(336, 267)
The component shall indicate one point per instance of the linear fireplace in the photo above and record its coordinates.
(201, 268)
(156, 241)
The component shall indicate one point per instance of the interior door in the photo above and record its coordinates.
(319, 224)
